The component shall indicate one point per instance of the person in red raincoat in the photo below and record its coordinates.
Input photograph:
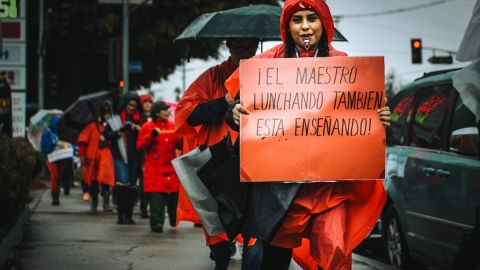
(326, 221)
(200, 119)
(97, 161)
(158, 140)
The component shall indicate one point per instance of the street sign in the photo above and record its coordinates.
(19, 112)
(135, 67)
(441, 59)
(15, 76)
(8, 9)
(12, 54)
(13, 30)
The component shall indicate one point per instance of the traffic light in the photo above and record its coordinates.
(121, 84)
(416, 45)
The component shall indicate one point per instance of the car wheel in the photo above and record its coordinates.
(396, 248)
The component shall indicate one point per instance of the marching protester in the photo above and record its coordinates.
(146, 101)
(160, 183)
(96, 158)
(200, 119)
(122, 132)
(307, 31)
(48, 143)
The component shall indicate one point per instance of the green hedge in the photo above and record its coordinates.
(19, 164)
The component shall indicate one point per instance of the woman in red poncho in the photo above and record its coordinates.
(97, 161)
(326, 221)
(160, 182)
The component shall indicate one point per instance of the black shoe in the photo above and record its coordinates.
(221, 266)
(129, 221)
(157, 230)
(120, 220)
(144, 215)
(56, 203)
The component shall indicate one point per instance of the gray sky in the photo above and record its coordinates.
(440, 26)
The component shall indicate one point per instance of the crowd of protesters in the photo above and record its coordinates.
(126, 154)
(130, 150)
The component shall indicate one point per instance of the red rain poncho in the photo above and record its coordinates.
(99, 161)
(334, 217)
(208, 86)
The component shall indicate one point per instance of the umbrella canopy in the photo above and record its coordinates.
(80, 113)
(38, 123)
(253, 21)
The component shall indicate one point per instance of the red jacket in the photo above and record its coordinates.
(159, 175)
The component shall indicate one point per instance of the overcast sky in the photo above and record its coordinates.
(439, 25)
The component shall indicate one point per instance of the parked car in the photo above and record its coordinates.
(432, 177)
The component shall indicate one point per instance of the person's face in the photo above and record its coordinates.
(147, 106)
(242, 49)
(131, 106)
(305, 25)
(164, 114)
(106, 115)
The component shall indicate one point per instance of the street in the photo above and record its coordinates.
(70, 237)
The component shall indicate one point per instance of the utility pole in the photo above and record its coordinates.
(125, 47)
(41, 83)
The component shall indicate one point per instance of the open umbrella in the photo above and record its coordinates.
(38, 123)
(84, 110)
(253, 21)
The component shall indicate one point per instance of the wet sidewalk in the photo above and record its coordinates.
(70, 237)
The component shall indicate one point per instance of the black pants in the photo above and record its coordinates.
(220, 253)
(143, 197)
(276, 257)
(67, 176)
(158, 201)
(125, 201)
(104, 192)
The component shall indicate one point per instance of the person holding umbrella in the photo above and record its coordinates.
(122, 132)
(96, 158)
(200, 119)
(158, 140)
(307, 31)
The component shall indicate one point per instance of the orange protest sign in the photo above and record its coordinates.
(312, 119)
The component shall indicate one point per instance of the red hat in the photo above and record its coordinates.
(320, 7)
(144, 98)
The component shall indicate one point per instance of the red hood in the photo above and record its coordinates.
(320, 7)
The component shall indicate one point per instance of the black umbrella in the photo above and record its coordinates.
(253, 21)
(84, 110)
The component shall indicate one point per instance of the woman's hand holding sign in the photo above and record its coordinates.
(384, 115)
(237, 110)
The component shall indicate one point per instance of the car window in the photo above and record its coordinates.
(429, 117)
(464, 130)
(402, 106)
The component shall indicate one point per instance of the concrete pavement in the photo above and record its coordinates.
(70, 237)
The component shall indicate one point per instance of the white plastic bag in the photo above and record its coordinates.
(186, 167)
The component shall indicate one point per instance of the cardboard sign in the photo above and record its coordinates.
(312, 119)
(60, 154)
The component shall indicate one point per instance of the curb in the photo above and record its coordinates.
(15, 234)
